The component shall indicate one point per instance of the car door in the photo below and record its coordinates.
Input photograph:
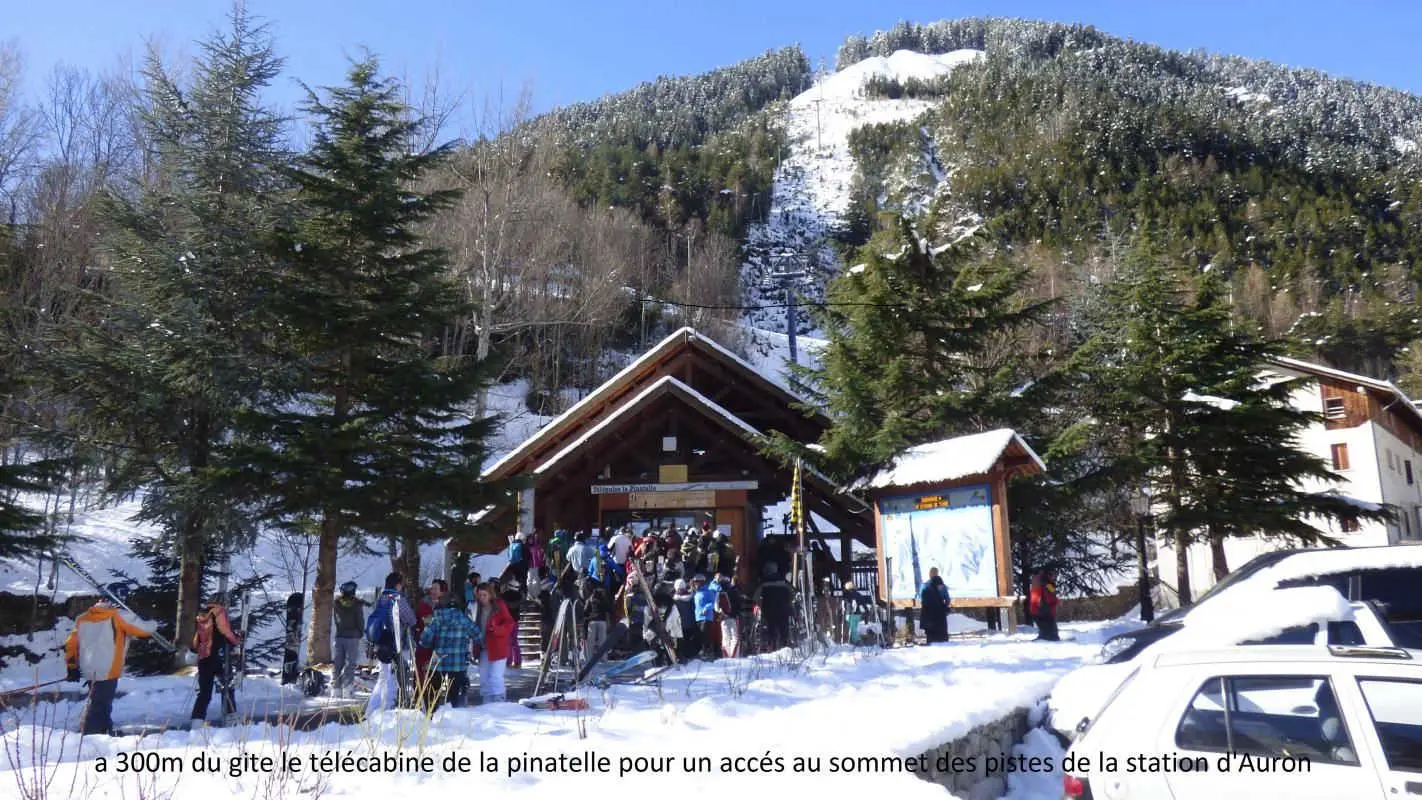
(1390, 722)
(1251, 730)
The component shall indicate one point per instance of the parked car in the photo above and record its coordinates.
(1080, 694)
(1249, 722)
(1388, 575)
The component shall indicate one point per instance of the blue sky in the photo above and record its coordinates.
(571, 51)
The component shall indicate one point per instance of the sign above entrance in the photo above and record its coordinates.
(704, 486)
(704, 499)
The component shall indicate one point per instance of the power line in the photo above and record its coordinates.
(767, 306)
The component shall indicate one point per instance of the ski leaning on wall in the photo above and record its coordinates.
(68, 561)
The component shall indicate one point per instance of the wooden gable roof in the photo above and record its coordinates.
(700, 364)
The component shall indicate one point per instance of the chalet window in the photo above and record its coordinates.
(1340, 456)
(1333, 408)
(1348, 525)
(1407, 468)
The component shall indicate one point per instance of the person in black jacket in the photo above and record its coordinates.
(934, 602)
(775, 598)
(348, 613)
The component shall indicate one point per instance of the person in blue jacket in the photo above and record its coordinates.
(704, 598)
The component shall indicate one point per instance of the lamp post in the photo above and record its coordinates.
(1141, 505)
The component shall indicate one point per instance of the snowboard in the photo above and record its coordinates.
(291, 653)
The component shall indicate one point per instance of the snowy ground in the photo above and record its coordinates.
(846, 702)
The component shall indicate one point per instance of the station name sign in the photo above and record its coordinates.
(703, 486)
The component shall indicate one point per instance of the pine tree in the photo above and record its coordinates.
(913, 352)
(170, 355)
(1178, 389)
(369, 437)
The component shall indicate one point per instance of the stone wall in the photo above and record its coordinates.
(995, 739)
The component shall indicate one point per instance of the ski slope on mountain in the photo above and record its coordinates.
(811, 191)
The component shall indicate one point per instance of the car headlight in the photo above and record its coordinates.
(1113, 648)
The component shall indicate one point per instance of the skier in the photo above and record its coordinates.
(558, 551)
(95, 652)
(497, 624)
(728, 608)
(671, 548)
(690, 643)
(214, 635)
(538, 565)
(381, 630)
(513, 599)
(633, 603)
(348, 614)
(1042, 605)
(596, 610)
(621, 547)
(470, 584)
(580, 554)
(774, 597)
(424, 612)
(705, 600)
(517, 568)
(933, 600)
(854, 607)
(451, 635)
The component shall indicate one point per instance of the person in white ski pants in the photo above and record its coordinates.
(386, 692)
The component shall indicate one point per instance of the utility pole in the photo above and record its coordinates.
(786, 281)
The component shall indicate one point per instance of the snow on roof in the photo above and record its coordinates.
(1386, 387)
(949, 460)
(1257, 611)
(666, 381)
(597, 394)
(1222, 403)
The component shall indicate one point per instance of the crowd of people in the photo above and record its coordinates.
(676, 590)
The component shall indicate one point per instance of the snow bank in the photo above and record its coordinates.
(846, 702)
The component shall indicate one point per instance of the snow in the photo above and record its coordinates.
(948, 460)
(1402, 144)
(779, 704)
(811, 192)
(1245, 96)
(1257, 612)
(1222, 403)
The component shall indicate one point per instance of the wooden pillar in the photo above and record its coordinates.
(1002, 539)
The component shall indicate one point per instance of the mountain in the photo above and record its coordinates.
(1061, 140)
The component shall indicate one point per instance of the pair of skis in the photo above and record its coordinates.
(232, 674)
(67, 560)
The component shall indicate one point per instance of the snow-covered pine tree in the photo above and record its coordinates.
(169, 356)
(371, 435)
(911, 355)
(1168, 373)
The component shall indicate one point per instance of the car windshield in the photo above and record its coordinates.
(1253, 566)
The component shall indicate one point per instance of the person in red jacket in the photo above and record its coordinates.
(498, 626)
(424, 612)
(1042, 605)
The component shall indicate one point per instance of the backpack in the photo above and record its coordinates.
(313, 682)
(516, 553)
(377, 625)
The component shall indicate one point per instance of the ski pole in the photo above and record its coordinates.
(28, 689)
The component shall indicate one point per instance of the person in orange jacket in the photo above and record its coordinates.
(211, 640)
(95, 652)
(1042, 605)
